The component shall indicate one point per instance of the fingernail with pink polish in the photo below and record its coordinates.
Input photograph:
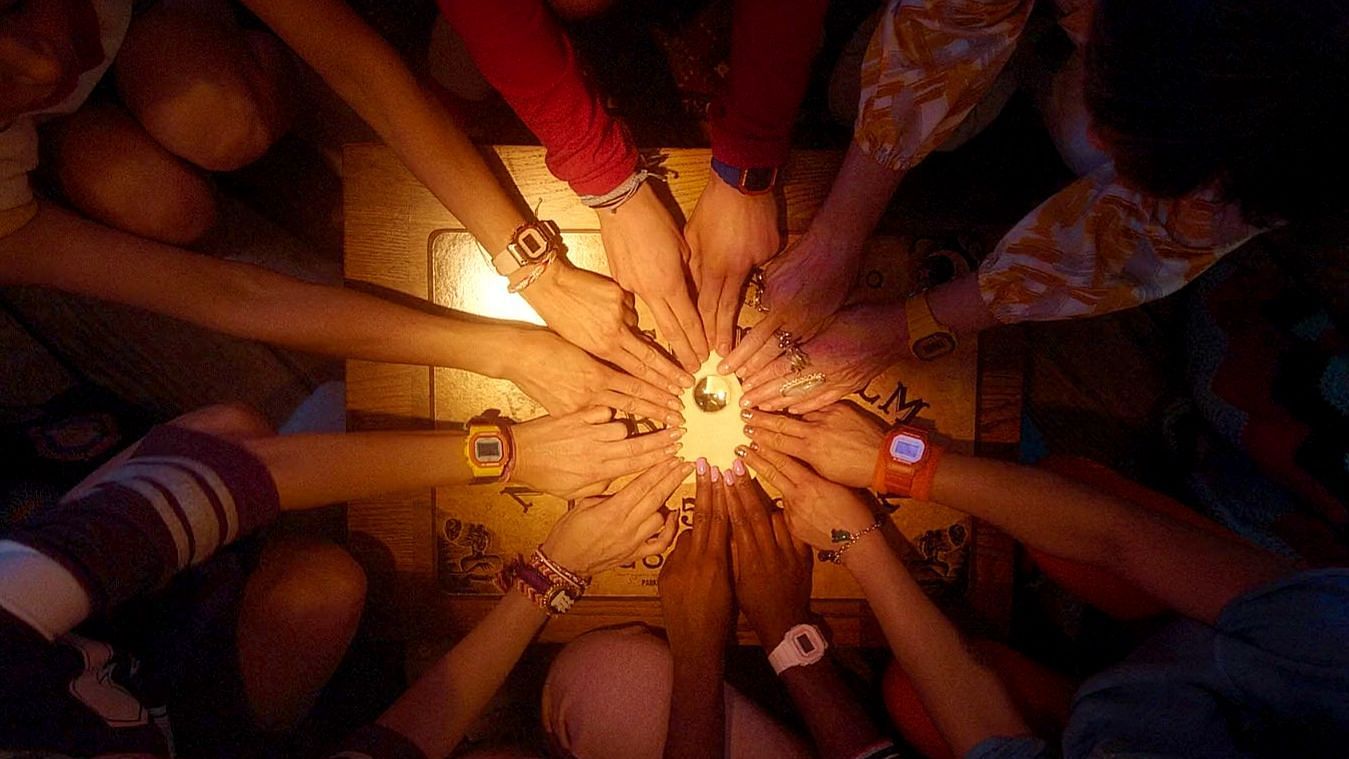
(729, 477)
(716, 475)
(739, 468)
(701, 463)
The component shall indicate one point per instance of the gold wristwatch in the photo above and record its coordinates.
(928, 339)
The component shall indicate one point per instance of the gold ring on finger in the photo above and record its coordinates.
(802, 384)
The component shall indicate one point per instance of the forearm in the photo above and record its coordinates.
(440, 706)
(931, 651)
(697, 726)
(837, 723)
(959, 306)
(61, 250)
(858, 198)
(1194, 570)
(369, 75)
(313, 470)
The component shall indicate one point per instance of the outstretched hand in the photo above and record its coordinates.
(647, 256)
(814, 507)
(565, 379)
(772, 568)
(601, 533)
(593, 313)
(857, 345)
(695, 583)
(805, 286)
(579, 454)
(840, 441)
(729, 233)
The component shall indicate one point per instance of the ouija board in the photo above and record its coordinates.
(479, 527)
(431, 555)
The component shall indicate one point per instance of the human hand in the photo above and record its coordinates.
(840, 441)
(772, 569)
(814, 507)
(695, 583)
(593, 313)
(601, 533)
(579, 454)
(565, 379)
(646, 255)
(861, 342)
(729, 233)
(806, 284)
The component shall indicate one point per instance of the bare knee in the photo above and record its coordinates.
(608, 694)
(300, 612)
(111, 170)
(575, 9)
(208, 92)
(232, 421)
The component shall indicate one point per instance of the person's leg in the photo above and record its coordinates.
(608, 694)
(209, 92)
(231, 421)
(1043, 698)
(300, 610)
(113, 172)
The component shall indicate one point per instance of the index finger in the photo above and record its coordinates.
(709, 298)
(641, 359)
(651, 489)
(727, 307)
(757, 337)
(752, 511)
(782, 471)
(673, 330)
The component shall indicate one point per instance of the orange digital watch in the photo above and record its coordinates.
(907, 463)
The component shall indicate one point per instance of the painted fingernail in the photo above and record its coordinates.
(676, 389)
(747, 415)
(674, 420)
(673, 449)
(729, 476)
(741, 450)
(746, 385)
(738, 467)
(744, 403)
(749, 431)
(754, 446)
(676, 433)
(723, 368)
(701, 463)
(673, 404)
(716, 474)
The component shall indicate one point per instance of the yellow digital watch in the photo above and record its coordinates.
(489, 448)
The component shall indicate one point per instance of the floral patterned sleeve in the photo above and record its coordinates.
(1098, 246)
(929, 63)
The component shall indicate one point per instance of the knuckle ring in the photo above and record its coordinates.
(799, 359)
(802, 384)
(757, 295)
(785, 339)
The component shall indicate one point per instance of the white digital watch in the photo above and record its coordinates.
(802, 645)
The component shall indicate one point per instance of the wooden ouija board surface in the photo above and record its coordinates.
(432, 557)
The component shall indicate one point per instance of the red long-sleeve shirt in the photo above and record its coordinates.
(523, 51)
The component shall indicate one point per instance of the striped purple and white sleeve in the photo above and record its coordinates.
(181, 497)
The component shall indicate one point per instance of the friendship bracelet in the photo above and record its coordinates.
(532, 276)
(541, 558)
(836, 556)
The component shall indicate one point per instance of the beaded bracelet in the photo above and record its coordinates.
(546, 584)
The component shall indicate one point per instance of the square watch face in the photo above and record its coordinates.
(804, 644)
(907, 449)
(488, 450)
